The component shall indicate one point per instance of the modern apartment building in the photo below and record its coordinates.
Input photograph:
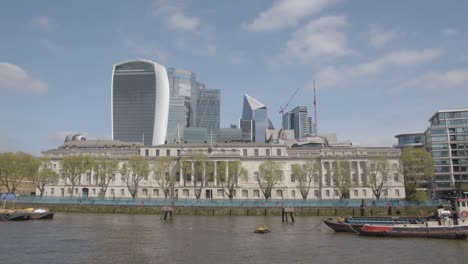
(447, 140)
(139, 102)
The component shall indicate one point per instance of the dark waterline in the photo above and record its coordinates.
(115, 238)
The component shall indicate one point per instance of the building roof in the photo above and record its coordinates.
(254, 104)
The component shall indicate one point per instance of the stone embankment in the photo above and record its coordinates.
(245, 211)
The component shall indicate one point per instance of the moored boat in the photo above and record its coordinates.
(39, 213)
(450, 224)
(354, 224)
(8, 215)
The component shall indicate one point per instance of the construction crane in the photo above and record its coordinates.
(286, 105)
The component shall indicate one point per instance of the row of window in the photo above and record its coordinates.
(256, 152)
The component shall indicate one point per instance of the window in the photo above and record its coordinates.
(278, 152)
(185, 192)
(220, 193)
(256, 193)
(168, 152)
(76, 190)
(94, 191)
(55, 166)
(155, 192)
(293, 193)
(145, 192)
(356, 193)
(256, 152)
(327, 193)
(146, 152)
(157, 152)
(316, 193)
(244, 152)
(364, 193)
(245, 193)
(113, 178)
(122, 192)
(52, 191)
(395, 177)
(279, 193)
(267, 152)
(397, 193)
(178, 153)
(112, 192)
(62, 191)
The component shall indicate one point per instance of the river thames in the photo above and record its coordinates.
(120, 238)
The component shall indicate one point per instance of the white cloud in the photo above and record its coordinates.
(13, 77)
(144, 49)
(439, 80)
(379, 38)
(334, 76)
(180, 21)
(203, 49)
(319, 38)
(52, 47)
(287, 13)
(449, 31)
(44, 23)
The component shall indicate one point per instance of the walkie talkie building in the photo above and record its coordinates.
(140, 102)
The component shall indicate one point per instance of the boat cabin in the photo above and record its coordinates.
(461, 205)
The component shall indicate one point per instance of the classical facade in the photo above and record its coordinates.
(217, 159)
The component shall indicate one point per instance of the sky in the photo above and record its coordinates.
(381, 68)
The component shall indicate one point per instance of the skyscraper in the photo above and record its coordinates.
(254, 121)
(208, 111)
(298, 121)
(139, 102)
(176, 120)
(181, 84)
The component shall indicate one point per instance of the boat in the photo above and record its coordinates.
(10, 215)
(39, 213)
(451, 224)
(262, 230)
(354, 224)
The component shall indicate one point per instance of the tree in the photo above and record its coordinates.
(378, 173)
(269, 174)
(342, 177)
(15, 168)
(198, 159)
(163, 174)
(235, 172)
(45, 176)
(417, 167)
(73, 167)
(104, 171)
(304, 175)
(133, 172)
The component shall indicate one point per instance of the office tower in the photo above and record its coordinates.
(176, 120)
(254, 121)
(181, 84)
(298, 121)
(208, 111)
(447, 140)
(140, 102)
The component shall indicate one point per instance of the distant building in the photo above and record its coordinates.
(254, 121)
(410, 140)
(181, 84)
(207, 114)
(297, 120)
(140, 102)
(176, 120)
(447, 140)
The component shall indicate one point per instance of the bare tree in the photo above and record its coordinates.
(269, 174)
(379, 170)
(342, 177)
(15, 168)
(104, 172)
(73, 167)
(162, 168)
(45, 176)
(133, 172)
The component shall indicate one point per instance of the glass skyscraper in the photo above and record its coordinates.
(208, 111)
(139, 102)
(176, 119)
(181, 84)
(298, 121)
(254, 121)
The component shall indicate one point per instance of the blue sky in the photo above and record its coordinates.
(381, 67)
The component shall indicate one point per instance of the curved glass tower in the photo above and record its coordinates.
(140, 102)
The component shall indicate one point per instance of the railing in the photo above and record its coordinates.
(219, 203)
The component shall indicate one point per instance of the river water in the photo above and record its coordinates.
(120, 238)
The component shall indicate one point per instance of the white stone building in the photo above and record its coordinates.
(250, 156)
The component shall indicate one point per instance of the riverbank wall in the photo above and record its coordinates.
(236, 211)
